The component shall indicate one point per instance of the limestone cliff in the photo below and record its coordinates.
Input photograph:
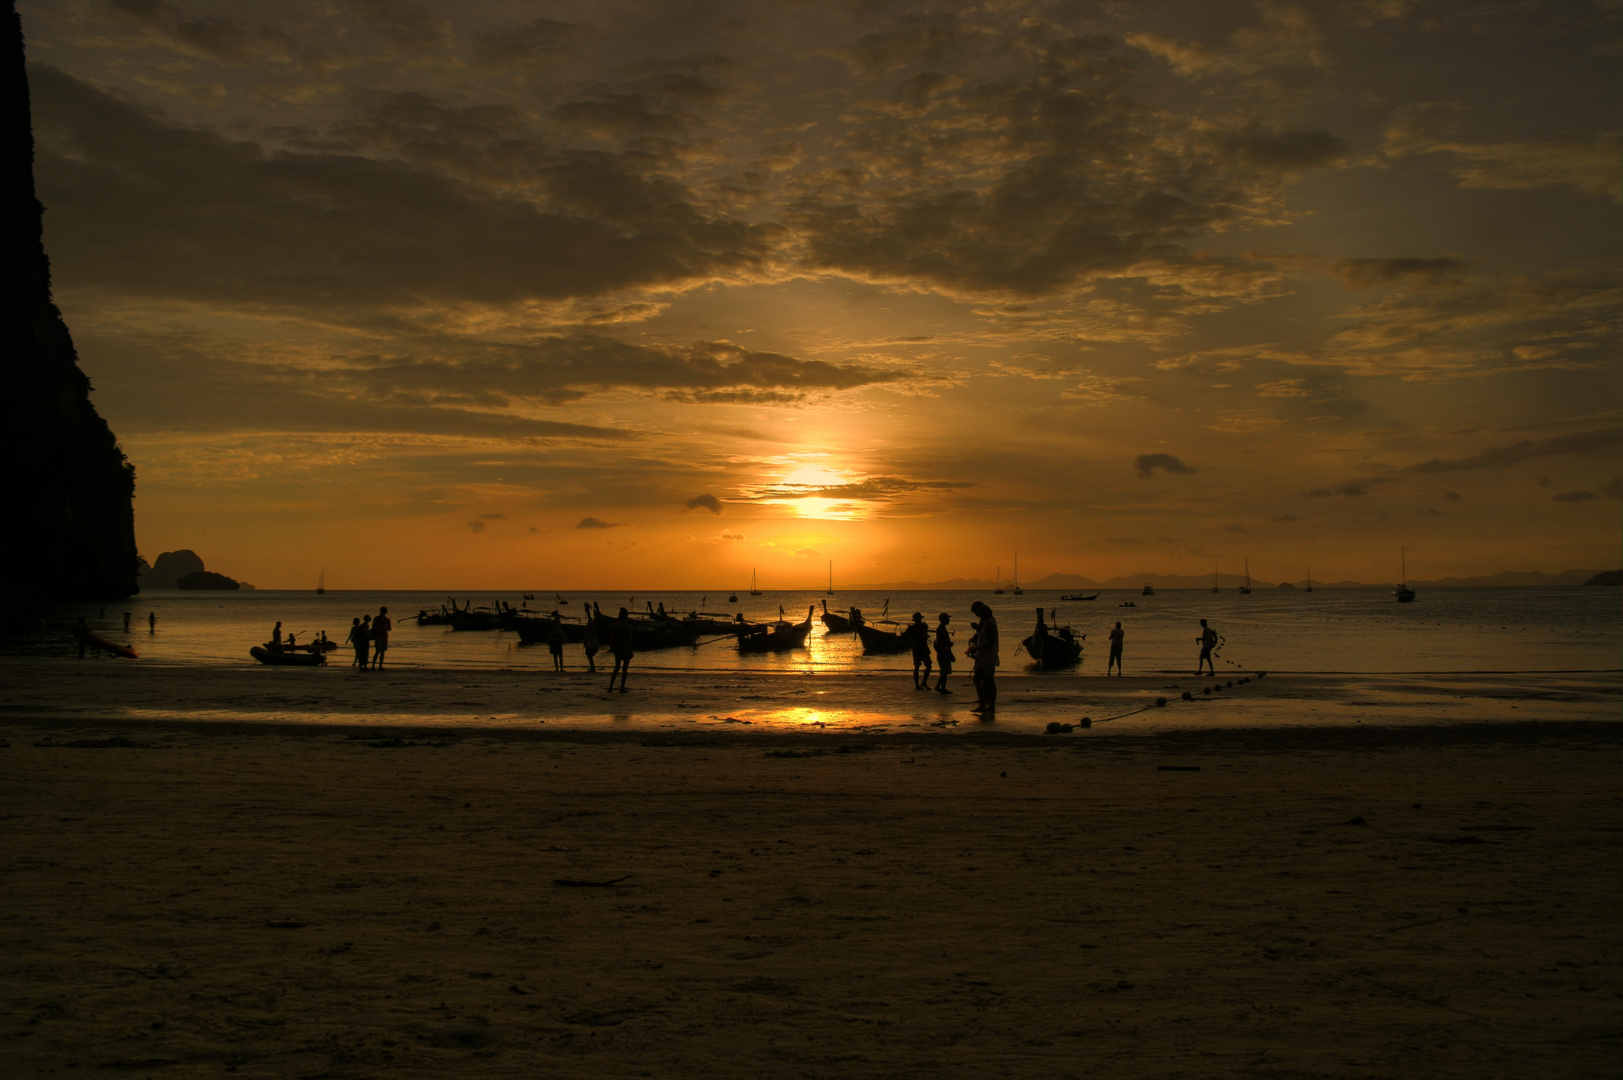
(71, 528)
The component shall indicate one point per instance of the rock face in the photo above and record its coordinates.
(170, 568)
(71, 533)
(1607, 577)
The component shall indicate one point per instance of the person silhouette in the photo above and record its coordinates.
(943, 652)
(276, 638)
(918, 633)
(1207, 641)
(380, 637)
(591, 644)
(555, 643)
(985, 652)
(622, 644)
(357, 639)
(1116, 637)
(152, 622)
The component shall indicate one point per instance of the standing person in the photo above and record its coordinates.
(380, 637)
(986, 660)
(943, 653)
(152, 622)
(276, 638)
(1207, 641)
(591, 644)
(357, 639)
(1116, 637)
(918, 632)
(622, 645)
(555, 643)
(363, 644)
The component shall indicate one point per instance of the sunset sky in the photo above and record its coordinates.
(575, 294)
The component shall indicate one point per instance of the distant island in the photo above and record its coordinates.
(183, 569)
(1227, 582)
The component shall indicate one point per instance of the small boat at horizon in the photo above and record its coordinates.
(321, 582)
(754, 590)
(1079, 596)
(1403, 592)
(1149, 590)
(1018, 591)
(1245, 590)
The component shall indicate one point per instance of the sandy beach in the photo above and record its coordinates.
(449, 873)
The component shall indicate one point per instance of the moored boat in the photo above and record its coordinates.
(1053, 647)
(283, 658)
(879, 638)
(1079, 596)
(1149, 590)
(784, 636)
(835, 622)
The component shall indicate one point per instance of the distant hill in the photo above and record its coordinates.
(1228, 582)
(1607, 577)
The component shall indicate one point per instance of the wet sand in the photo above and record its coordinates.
(1306, 877)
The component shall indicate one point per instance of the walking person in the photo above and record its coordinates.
(943, 653)
(357, 639)
(918, 633)
(985, 652)
(555, 643)
(591, 644)
(152, 622)
(1116, 637)
(622, 645)
(1207, 641)
(380, 637)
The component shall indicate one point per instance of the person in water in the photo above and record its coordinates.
(589, 640)
(555, 643)
(152, 622)
(1116, 637)
(380, 637)
(918, 634)
(1207, 641)
(622, 645)
(985, 652)
(943, 652)
(276, 638)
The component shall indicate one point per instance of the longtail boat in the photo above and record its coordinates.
(776, 638)
(1053, 647)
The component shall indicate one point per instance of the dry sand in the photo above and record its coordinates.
(1424, 883)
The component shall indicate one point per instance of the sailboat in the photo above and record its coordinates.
(1403, 592)
(997, 583)
(1246, 588)
(1309, 580)
(831, 577)
(321, 582)
(754, 591)
(1018, 591)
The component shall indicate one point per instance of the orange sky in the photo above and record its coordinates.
(600, 294)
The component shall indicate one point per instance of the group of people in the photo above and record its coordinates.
(369, 637)
(622, 646)
(982, 651)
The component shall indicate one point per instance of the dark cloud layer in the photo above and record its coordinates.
(1503, 457)
(1146, 464)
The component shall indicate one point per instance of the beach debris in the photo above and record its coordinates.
(578, 883)
(1003, 775)
(1359, 820)
(397, 742)
(286, 924)
(1187, 696)
(612, 1018)
(732, 720)
(1086, 721)
(517, 989)
(1177, 768)
(1472, 839)
(1160, 702)
(1057, 728)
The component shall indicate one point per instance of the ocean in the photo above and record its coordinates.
(1328, 630)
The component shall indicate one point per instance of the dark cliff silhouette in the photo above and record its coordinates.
(71, 523)
(207, 579)
(170, 568)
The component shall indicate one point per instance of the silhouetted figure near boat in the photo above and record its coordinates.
(363, 644)
(1207, 641)
(622, 645)
(357, 639)
(276, 638)
(589, 640)
(918, 635)
(985, 651)
(555, 643)
(152, 622)
(380, 637)
(1116, 637)
(943, 653)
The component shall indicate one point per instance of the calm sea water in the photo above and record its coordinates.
(1352, 630)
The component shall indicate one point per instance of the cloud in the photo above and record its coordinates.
(1452, 496)
(492, 517)
(1503, 457)
(808, 551)
(597, 523)
(1345, 491)
(1574, 496)
(708, 502)
(1148, 463)
(476, 526)
(1360, 274)
(1284, 517)
(728, 534)
(1593, 166)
